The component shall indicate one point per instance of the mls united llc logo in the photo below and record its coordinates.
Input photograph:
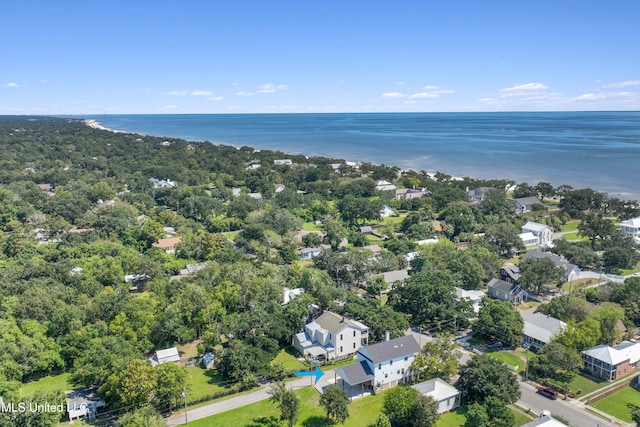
(21, 407)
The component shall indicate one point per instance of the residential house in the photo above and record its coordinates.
(447, 396)
(545, 420)
(83, 403)
(383, 185)
(331, 336)
(410, 256)
(167, 355)
(540, 329)
(189, 269)
(170, 231)
(253, 166)
(395, 276)
(168, 245)
(410, 193)
(526, 204)
(48, 189)
(278, 188)
(136, 281)
(510, 273)
(474, 296)
(309, 253)
(257, 196)
(235, 191)
(380, 366)
(290, 294)
(162, 183)
(373, 248)
(287, 162)
(542, 232)
(505, 291)
(477, 194)
(386, 212)
(528, 239)
(610, 363)
(631, 227)
(431, 241)
(366, 229)
(573, 272)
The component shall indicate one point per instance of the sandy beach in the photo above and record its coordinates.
(96, 125)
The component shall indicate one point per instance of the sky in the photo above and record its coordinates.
(282, 56)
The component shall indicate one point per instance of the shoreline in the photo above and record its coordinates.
(96, 125)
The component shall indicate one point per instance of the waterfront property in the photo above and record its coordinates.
(610, 363)
(631, 227)
(526, 204)
(331, 336)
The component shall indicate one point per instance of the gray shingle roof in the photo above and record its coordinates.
(355, 373)
(388, 350)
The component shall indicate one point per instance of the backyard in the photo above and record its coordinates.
(620, 404)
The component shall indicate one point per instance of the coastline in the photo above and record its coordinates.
(96, 125)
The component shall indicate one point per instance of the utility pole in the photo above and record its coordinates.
(526, 370)
(184, 396)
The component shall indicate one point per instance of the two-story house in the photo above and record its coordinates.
(573, 272)
(610, 363)
(631, 227)
(540, 329)
(542, 234)
(505, 291)
(331, 336)
(380, 366)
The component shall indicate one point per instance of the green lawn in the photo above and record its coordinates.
(570, 226)
(574, 236)
(577, 284)
(510, 357)
(362, 411)
(288, 357)
(47, 384)
(620, 404)
(392, 220)
(457, 418)
(203, 382)
(585, 384)
(309, 226)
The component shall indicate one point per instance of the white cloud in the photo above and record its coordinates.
(520, 90)
(243, 93)
(423, 95)
(271, 88)
(599, 96)
(178, 93)
(628, 83)
(216, 98)
(429, 87)
(400, 83)
(12, 84)
(393, 95)
(201, 93)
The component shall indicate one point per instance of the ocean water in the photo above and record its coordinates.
(599, 150)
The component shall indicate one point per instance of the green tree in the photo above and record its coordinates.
(287, 402)
(134, 385)
(171, 382)
(335, 403)
(146, 416)
(493, 413)
(381, 421)
(499, 320)
(397, 404)
(582, 335)
(596, 228)
(483, 377)
(505, 238)
(424, 412)
(538, 273)
(439, 358)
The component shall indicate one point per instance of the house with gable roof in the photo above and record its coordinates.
(331, 336)
(610, 363)
(380, 366)
(541, 232)
(477, 194)
(505, 291)
(573, 272)
(539, 329)
(631, 227)
(526, 204)
(447, 396)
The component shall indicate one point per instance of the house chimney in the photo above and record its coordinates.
(386, 336)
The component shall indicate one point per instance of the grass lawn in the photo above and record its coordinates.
(510, 357)
(309, 226)
(620, 404)
(288, 357)
(577, 284)
(626, 272)
(203, 382)
(362, 411)
(586, 385)
(47, 384)
(231, 235)
(189, 349)
(392, 220)
(457, 418)
(571, 225)
(574, 236)
(521, 419)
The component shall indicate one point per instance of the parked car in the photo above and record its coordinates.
(548, 392)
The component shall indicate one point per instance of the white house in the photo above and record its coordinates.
(545, 420)
(383, 185)
(283, 162)
(165, 356)
(83, 403)
(290, 294)
(386, 212)
(447, 396)
(162, 183)
(542, 232)
(477, 194)
(474, 296)
(528, 239)
(540, 329)
(380, 366)
(309, 253)
(631, 227)
(331, 336)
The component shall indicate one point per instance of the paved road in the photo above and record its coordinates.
(238, 401)
(571, 410)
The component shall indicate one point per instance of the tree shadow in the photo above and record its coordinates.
(316, 421)
(265, 422)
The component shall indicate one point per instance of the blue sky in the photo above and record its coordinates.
(135, 56)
